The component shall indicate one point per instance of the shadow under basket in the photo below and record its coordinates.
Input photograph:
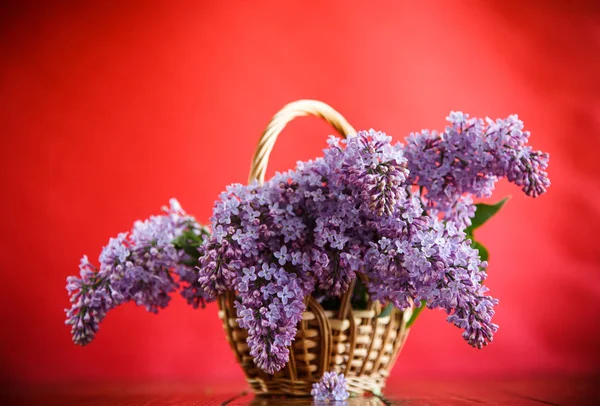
(362, 344)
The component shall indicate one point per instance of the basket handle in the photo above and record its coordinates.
(290, 111)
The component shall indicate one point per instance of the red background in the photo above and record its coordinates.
(108, 111)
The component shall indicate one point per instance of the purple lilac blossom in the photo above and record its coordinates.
(270, 306)
(366, 206)
(468, 158)
(332, 386)
(138, 266)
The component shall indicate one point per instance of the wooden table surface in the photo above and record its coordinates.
(549, 391)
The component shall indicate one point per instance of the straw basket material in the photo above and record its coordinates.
(361, 344)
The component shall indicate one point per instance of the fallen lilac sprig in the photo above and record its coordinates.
(331, 387)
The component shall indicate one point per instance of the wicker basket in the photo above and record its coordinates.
(362, 344)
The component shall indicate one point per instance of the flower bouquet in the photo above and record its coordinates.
(320, 271)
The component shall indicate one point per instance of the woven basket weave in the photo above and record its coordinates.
(362, 344)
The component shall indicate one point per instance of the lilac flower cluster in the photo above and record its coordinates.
(332, 386)
(372, 207)
(396, 214)
(468, 158)
(138, 266)
(270, 306)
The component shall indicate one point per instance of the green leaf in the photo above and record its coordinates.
(189, 242)
(192, 251)
(386, 310)
(415, 314)
(483, 252)
(483, 213)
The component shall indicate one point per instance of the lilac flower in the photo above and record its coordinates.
(468, 158)
(282, 255)
(91, 298)
(270, 309)
(332, 386)
(138, 266)
(372, 166)
(395, 214)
